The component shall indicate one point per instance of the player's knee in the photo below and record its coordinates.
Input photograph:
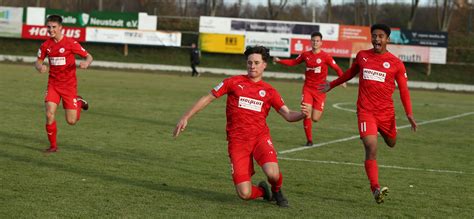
(49, 116)
(244, 193)
(316, 119)
(71, 121)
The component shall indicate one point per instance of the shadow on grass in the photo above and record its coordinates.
(150, 185)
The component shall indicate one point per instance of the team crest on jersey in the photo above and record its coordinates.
(386, 65)
(61, 50)
(318, 60)
(216, 88)
(262, 93)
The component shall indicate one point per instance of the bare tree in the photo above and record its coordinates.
(371, 11)
(329, 11)
(213, 6)
(414, 7)
(273, 10)
(444, 19)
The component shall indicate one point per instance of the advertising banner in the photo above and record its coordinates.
(75, 19)
(113, 19)
(335, 49)
(240, 26)
(11, 20)
(407, 53)
(354, 33)
(125, 36)
(419, 38)
(41, 32)
(222, 43)
(278, 44)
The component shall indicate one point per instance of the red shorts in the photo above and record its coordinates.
(67, 94)
(242, 153)
(370, 124)
(313, 97)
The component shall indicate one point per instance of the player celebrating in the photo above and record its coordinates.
(62, 81)
(249, 100)
(317, 62)
(378, 69)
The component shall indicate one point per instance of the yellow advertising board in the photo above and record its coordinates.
(222, 43)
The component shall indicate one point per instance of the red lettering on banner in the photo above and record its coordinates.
(333, 48)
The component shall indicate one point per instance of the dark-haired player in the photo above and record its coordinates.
(317, 62)
(378, 69)
(62, 81)
(249, 100)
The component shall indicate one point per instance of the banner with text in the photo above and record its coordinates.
(222, 43)
(127, 36)
(76, 19)
(41, 32)
(419, 38)
(113, 19)
(11, 19)
(279, 45)
(335, 49)
(240, 26)
(354, 33)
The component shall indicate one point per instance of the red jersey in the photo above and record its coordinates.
(378, 73)
(248, 104)
(316, 67)
(62, 63)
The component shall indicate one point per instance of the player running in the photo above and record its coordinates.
(378, 69)
(62, 81)
(249, 100)
(317, 62)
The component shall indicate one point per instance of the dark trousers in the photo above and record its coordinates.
(193, 66)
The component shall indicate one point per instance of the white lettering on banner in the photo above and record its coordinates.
(373, 75)
(57, 60)
(250, 104)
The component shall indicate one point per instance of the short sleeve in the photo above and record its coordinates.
(277, 101)
(42, 52)
(77, 49)
(222, 88)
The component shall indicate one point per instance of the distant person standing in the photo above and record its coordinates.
(62, 82)
(195, 57)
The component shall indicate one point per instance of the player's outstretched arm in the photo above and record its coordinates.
(198, 106)
(40, 67)
(85, 64)
(292, 116)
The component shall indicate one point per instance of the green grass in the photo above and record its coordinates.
(176, 56)
(120, 160)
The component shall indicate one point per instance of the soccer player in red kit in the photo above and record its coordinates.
(249, 100)
(62, 81)
(317, 62)
(378, 70)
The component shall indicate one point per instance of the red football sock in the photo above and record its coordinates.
(276, 185)
(372, 173)
(257, 192)
(78, 110)
(308, 127)
(52, 130)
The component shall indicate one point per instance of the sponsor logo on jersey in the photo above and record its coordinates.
(317, 69)
(61, 50)
(262, 93)
(250, 104)
(39, 52)
(373, 75)
(318, 60)
(57, 60)
(216, 88)
(386, 65)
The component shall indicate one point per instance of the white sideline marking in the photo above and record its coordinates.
(357, 136)
(337, 106)
(382, 166)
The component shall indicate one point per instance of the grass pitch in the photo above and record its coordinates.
(120, 160)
